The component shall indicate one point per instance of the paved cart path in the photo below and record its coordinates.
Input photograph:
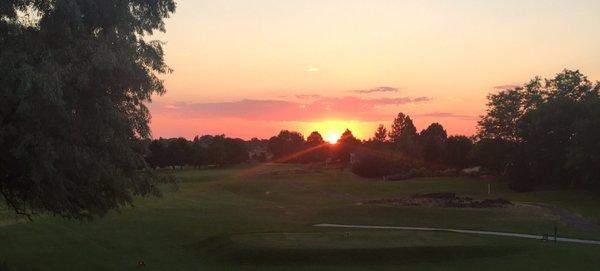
(509, 234)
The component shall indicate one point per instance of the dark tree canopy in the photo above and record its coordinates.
(546, 129)
(380, 134)
(508, 107)
(316, 148)
(404, 135)
(402, 127)
(157, 153)
(236, 151)
(457, 150)
(314, 139)
(434, 131)
(73, 86)
(178, 152)
(432, 141)
(346, 146)
(286, 145)
(206, 150)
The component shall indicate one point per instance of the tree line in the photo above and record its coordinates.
(217, 150)
(384, 150)
(381, 154)
(543, 134)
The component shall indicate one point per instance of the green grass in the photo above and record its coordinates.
(259, 217)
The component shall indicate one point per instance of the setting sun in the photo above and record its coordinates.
(332, 137)
(299, 134)
(331, 130)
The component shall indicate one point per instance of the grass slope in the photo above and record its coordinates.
(259, 217)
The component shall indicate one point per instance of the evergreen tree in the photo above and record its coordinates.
(380, 134)
(404, 135)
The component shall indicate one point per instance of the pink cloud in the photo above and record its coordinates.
(315, 108)
(377, 89)
(447, 115)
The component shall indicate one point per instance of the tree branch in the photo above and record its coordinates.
(14, 206)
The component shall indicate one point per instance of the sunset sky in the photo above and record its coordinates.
(251, 68)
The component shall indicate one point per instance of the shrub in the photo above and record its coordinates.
(378, 163)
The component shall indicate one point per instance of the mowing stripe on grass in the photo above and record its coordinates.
(510, 234)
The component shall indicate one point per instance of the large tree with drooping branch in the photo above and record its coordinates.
(75, 77)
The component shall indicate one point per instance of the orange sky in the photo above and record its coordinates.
(251, 68)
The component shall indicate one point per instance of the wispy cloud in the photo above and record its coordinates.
(507, 86)
(447, 115)
(308, 96)
(399, 101)
(377, 89)
(316, 108)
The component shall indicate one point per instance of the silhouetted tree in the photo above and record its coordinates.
(258, 149)
(73, 89)
(457, 151)
(380, 134)
(504, 111)
(236, 151)
(432, 141)
(286, 145)
(206, 150)
(583, 153)
(543, 121)
(178, 152)
(314, 139)
(157, 153)
(318, 150)
(346, 146)
(199, 152)
(404, 135)
(216, 150)
(494, 154)
(546, 134)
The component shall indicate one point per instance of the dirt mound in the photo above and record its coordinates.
(443, 200)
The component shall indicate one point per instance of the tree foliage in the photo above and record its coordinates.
(73, 87)
(432, 140)
(380, 134)
(457, 152)
(404, 135)
(206, 150)
(549, 125)
(317, 148)
(346, 146)
(287, 145)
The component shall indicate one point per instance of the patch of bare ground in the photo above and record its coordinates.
(443, 200)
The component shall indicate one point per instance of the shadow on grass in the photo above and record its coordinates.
(226, 251)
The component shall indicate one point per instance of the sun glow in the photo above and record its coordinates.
(331, 130)
(332, 138)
